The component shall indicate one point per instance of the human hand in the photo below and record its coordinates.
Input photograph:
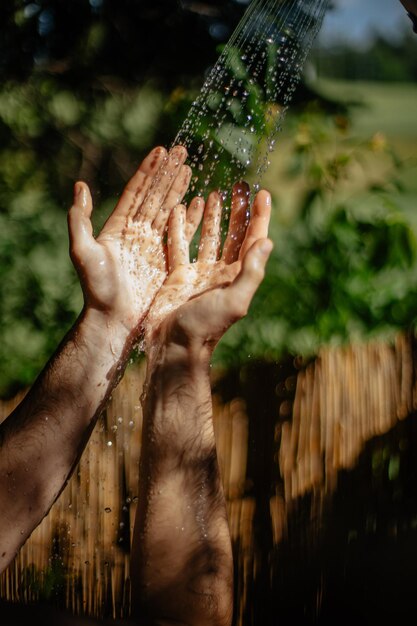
(122, 269)
(201, 300)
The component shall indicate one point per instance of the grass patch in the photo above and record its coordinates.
(386, 108)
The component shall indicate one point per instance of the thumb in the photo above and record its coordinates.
(79, 222)
(246, 283)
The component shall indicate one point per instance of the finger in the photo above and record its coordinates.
(138, 186)
(194, 217)
(79, 221)
(210, 233)
(238, 222)
(173, 198)
(240, 293)
(161, 184)
(178, 252)
(259, 221)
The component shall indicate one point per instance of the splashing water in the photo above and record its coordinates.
(233, 124)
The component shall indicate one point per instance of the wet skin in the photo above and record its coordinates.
(125, 270)
(181, 561)
(120, 271)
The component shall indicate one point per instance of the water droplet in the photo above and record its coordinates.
(286, 40)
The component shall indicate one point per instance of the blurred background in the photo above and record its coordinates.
(315, 391)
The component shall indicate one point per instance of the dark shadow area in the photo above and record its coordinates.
(356, 563)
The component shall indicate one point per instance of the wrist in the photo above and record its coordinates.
(103, 332)
(176, 397)
(174, 367)
(171, 345)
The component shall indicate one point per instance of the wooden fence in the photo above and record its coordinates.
(334, 405)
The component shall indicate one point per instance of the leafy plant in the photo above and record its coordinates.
(344, 265)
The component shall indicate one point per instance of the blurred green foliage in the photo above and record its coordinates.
(381, 60)
(344, 265)
(77, 101)
(52, 136)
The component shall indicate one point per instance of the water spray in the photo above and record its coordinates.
(233, 124)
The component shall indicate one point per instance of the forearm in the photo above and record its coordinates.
(42, 440)
(182, 561)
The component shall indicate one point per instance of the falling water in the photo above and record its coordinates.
(232, 126)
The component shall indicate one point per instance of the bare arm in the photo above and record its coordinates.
(184, 560)
(182, 569)
(120, 272)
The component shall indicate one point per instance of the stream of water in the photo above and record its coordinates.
(233, 124)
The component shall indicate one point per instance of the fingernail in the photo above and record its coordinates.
(77, 191)
(80, 194)
(179, 148)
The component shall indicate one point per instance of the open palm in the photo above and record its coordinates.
(197, 292)
(122, 269)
